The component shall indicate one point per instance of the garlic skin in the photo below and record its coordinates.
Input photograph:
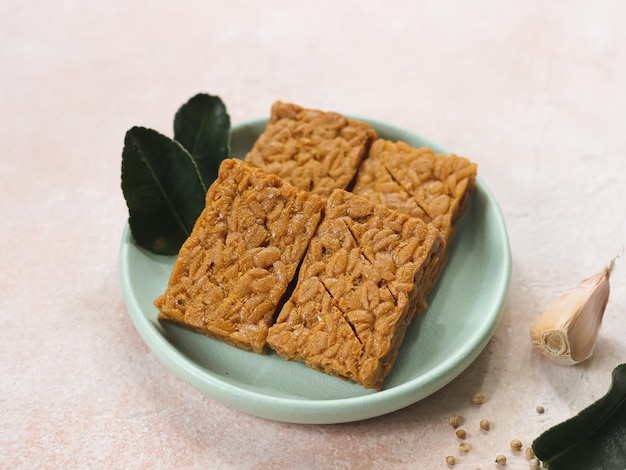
(567, 331)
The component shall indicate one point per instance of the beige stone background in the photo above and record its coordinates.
(533, 91)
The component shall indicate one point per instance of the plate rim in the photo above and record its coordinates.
(335, 410)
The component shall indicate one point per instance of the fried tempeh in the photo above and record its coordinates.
(314, 150)
(361, 281)
(245, 247)
(418, 182)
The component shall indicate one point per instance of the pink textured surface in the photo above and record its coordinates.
(532, 91)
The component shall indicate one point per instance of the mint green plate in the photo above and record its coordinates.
(464, 310)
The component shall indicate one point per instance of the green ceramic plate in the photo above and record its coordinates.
(464, 310)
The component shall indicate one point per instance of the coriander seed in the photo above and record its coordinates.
(530, 453)
(461, 434)
(540, 410)
(516, 444)
(533, 464)
(454, 420)
(501, 459)
(484, 424)
(464, 447)
(450, 460)
(478, 398)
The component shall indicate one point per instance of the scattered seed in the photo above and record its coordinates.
(464, 447)
(454, 420)
(516, 444)
(450, 460)
(461, 434)
(530, 453)
(501, 459)
(484, 424)
(541, 410)
(534, 464)
(478, 398)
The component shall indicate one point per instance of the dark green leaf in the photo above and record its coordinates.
(595, 439)
(162, 188)
(202, 126)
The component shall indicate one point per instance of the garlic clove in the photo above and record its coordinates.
(568, 329)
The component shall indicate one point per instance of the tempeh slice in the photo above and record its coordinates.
(233, 270)
(314, 150)
(418, 182)
(361, 281)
